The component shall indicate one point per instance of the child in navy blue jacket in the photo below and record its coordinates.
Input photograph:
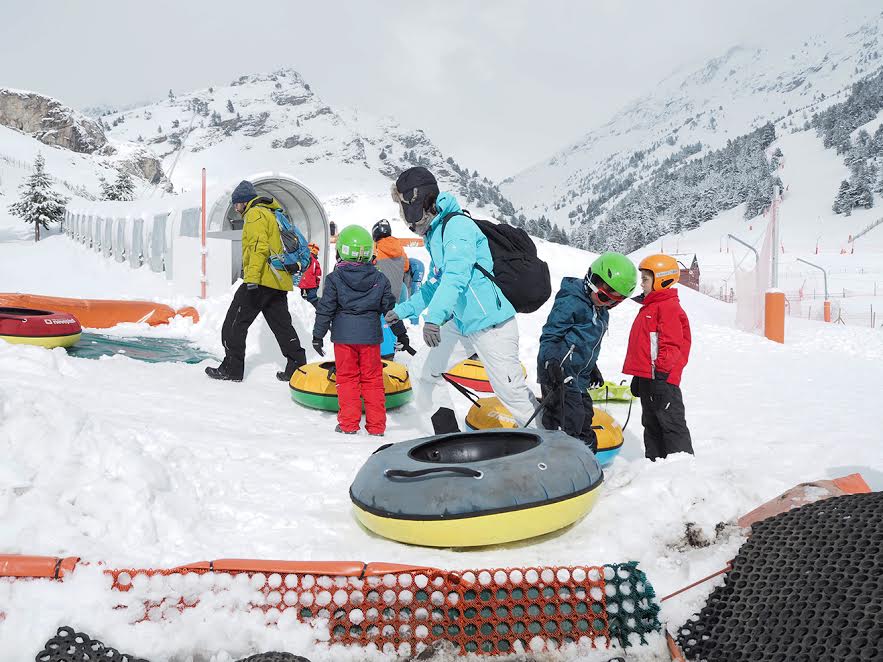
(356, 295)
(571, 342)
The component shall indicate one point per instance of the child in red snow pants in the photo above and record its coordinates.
(360, 377)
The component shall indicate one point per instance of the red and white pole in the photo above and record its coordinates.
(203, 250)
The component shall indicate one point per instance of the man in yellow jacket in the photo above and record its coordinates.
(264, 289)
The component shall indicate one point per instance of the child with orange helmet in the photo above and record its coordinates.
(658, 350)
(312, 277)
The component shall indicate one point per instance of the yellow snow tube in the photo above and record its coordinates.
(490, 413)
(315, 385)
(482, 530)
(471, 374)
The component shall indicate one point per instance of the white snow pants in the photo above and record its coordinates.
(497, 349)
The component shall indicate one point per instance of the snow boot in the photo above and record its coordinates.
(220, 373)
(376, 434)
(342, 431)
(288, 373)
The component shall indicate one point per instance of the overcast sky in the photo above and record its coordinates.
(498, 84)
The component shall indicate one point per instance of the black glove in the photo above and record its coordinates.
(431, 334)
(319, 346)
(555, 374)
(403, 344)
(303, 294)
(596, 379)
(635, 389)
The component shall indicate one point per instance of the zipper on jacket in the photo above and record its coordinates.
(477, 300)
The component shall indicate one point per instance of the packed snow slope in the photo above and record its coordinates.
(147, 465)
(727, 97)
(808, 229)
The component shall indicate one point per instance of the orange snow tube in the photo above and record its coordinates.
(100, 313)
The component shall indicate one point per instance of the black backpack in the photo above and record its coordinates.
(522, 277)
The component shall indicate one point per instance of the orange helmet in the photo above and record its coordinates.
(314, 248)
(664, 268)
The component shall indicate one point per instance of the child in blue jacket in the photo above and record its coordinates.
(571, 342)
(356, 295)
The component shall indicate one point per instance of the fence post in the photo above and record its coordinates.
(774, 315)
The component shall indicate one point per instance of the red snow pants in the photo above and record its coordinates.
(360, 376)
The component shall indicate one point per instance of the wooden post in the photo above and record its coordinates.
(774, 315)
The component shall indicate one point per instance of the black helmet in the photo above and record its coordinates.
(381, 229)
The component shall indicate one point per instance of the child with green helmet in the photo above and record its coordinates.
(571, 342)
(356, 295)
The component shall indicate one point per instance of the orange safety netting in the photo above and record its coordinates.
(399, 608)
(493, 611)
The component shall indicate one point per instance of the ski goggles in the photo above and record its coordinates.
(606, 295)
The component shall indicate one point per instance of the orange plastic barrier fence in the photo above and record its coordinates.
(100, 313)
(46, 567)
(404, 609)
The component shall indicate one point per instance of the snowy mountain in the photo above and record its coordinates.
(276, 122)
(78, 153)
(689, 115)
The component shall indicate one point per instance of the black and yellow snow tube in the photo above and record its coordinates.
(315, 385)
(471, 489)
(490, 413)
(471, 374)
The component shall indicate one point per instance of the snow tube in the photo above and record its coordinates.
(470, 489)
(101, 313)
(612, 391)
(490, 413)
(314, 385)
(471, 374)
(26, 326)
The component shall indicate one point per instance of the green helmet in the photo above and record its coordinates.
(354, 243)
(616, 270)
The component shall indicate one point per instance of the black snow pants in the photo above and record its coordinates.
(243, 310)
(664, 419)
(572, 414)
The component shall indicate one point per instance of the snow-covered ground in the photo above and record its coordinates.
(142, 464)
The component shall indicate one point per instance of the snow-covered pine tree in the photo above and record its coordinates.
(107, 190)
(124, 186)
(229, 106)
(843, 201)
(39, 204)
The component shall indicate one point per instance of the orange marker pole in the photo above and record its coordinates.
(203, 251)
(827, 310)
(774, 315)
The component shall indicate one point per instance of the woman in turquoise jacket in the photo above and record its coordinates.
(463, 307)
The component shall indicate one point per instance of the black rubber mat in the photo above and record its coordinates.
(69, 645)
(807, 586)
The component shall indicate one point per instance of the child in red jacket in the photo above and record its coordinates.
(312, 276)
(658, 350)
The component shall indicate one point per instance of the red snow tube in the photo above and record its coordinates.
(25, 326)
